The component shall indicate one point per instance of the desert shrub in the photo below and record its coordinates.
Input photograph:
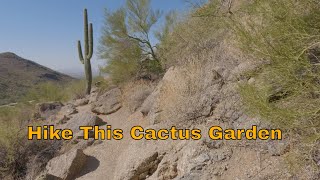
(190, 35)
(45, 92)
(136, 92)
(19, 156)
(127, 42)
(285, 35)
(10, 128)
(102, 83)
(76, 89)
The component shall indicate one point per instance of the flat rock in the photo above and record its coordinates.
(83, 119)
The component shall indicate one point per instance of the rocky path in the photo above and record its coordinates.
(104, 157)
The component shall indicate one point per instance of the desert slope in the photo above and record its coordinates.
(17, 75)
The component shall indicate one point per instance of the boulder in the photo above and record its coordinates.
(81, 102)
(67, 166)
(148, 102)
(68, 110)
(108, 103)
(143, 167)
(83, 119)
(45, 110)
(63, 115)
(93, 97)
(76, 144)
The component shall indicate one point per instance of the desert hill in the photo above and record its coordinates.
(17, 75)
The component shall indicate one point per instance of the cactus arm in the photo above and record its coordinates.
(86, 47)
(80, 52)
(89, 56)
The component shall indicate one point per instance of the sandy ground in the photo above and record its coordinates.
(103, 158)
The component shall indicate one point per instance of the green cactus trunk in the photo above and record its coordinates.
(88, 51)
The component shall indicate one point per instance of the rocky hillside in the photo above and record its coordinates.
(218, 73)
(212, 100)
(17, 75)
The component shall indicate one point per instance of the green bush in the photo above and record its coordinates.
(285, 34)
(75, 90)
(45, 92)
(102, 83)
(126, 42)
(285, 37)
(12, 137)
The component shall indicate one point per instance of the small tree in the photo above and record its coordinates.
(126, 41)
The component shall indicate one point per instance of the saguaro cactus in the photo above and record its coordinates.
(88, 51)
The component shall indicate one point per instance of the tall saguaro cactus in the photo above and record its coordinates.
(88, 51)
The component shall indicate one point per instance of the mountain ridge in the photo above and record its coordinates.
(18, 75)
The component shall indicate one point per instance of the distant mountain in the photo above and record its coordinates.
(18, 75)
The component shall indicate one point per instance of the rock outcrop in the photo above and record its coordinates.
(187, 97)
(45, 110)
(83, 119)
(192, 95)
(66, 166)
(108, 103)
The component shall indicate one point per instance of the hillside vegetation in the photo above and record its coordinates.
(283, 36)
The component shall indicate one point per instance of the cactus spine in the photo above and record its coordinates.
(88, 51)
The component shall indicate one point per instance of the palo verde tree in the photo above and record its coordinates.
(126, 40)
(88, 51)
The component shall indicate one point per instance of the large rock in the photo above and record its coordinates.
(81, 102)
(93, 97)
(83, 119)
(148, 102)
(68, 110)
(45, 110)
(67, 166)
(143, 167)
(183, 96)
(63, 115)
(108, 103)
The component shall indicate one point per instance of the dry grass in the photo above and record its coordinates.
(281, 35)
(134, 93)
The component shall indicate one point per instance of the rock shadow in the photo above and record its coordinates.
(92, 164)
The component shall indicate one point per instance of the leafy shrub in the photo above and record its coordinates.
(15, 150)
(286, 36)
(45, 92)
(126, 43)
(289, 86)
(102, 83)
(75, 90)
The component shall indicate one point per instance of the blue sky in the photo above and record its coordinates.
(46, 31)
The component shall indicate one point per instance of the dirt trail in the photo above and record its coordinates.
(104, 157)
